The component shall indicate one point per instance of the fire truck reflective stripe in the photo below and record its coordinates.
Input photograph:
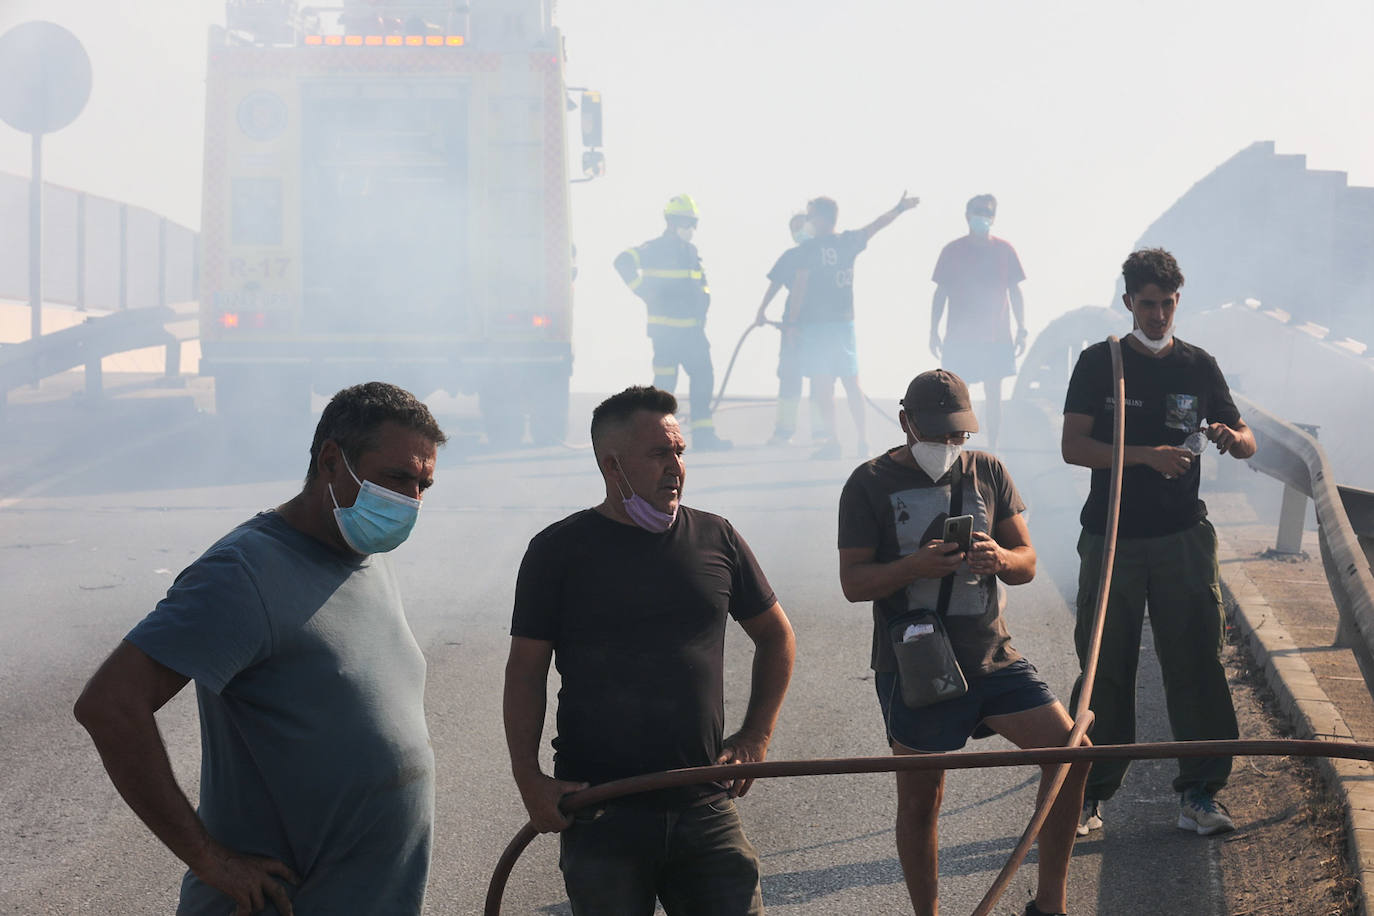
(665, 321)
(672, 274)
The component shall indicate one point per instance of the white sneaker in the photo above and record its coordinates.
(1091, 818)
(1200, 812)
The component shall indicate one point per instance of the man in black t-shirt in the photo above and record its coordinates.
(892, 515)
(824, 291)
(630, 600)
(1166, 551)
(783, 276)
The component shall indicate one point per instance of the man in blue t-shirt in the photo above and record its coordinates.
(317, 776)
(824, 291)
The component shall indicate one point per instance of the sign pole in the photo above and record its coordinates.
(36, 239)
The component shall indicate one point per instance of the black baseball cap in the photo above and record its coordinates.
(939, 404)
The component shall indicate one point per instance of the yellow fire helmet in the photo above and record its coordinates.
(682, 205)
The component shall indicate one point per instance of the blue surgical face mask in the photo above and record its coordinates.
(980, 225)
(379, 519)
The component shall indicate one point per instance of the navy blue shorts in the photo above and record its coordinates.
(947, 726)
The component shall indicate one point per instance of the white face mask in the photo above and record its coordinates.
(935, 458)
(1154, 346)
(685, 233)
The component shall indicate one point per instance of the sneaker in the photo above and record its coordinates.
(1033, 910)
(1091, 818)
(1200, 812)
(706, 440)
(830, 448)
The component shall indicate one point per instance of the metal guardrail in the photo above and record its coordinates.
(98, 253)
(1295, 457)
(86, 344)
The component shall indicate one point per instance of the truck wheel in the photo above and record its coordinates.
(549, 411)
(502, 418)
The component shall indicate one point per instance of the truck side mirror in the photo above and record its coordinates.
(591, 118)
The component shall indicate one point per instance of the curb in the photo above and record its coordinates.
(1302, 699)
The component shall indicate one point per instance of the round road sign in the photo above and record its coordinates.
(45, 77)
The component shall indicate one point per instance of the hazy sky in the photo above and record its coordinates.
(1086, 119)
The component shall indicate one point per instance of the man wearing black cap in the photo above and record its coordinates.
(892, 516)
(980, 277)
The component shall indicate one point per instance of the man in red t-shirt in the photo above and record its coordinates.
(979, 276)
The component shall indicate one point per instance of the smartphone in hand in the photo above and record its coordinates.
(959, 530)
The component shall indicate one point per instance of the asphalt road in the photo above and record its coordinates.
(99, 511)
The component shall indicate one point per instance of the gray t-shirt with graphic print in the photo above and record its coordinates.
(894, 509)
(314, 748)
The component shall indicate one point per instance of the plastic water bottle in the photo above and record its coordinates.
(1195, 443)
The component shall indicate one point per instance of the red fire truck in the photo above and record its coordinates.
(386, 197)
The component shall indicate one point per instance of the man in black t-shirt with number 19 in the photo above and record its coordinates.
(1166, 552)
(630, 599)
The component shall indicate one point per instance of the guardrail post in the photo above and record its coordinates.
(81, 252)
(1293, 510)
(173, 360)
(162, 261)
(95, 379)
(1292, 514)
(123, 256)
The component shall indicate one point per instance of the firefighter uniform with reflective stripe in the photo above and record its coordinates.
(666, 273)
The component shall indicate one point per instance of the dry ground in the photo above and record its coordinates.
(1286, 857)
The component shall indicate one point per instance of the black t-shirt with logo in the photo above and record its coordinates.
(1166, 399)
(637, 622)
(829, 266)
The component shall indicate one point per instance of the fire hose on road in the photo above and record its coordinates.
(730, 368)
(1061, 757)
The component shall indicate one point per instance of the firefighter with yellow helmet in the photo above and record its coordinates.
(666, 273)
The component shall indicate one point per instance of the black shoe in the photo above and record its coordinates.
(1033, 910)
(706, 440)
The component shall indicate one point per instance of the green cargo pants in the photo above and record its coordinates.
(1177, 575)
